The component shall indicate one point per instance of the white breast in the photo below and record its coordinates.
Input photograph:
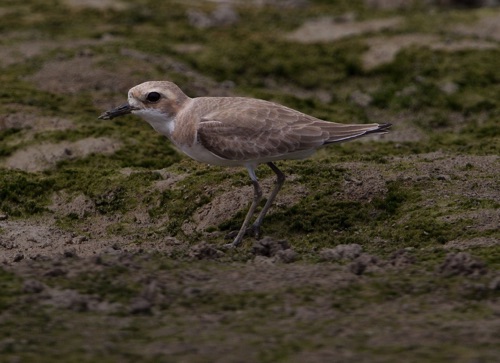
(158, 120)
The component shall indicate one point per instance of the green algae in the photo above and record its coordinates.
(23, 194)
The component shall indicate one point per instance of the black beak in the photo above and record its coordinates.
(118, 111)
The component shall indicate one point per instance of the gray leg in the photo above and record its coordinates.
(257, 195)
(280, 179)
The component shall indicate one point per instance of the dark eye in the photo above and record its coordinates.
(153, 97)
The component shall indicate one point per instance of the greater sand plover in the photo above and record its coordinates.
(236, 131)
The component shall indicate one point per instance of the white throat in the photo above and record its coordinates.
(161, 122)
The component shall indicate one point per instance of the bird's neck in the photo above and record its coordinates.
(162, 123)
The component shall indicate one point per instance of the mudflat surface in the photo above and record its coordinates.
(381, 250)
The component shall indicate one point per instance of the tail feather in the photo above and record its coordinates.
(343, 132)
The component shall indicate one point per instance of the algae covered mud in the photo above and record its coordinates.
(383, 250)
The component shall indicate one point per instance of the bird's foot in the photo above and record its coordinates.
(255, 231)
(228, 246)
(231, 234)
(250, 231)
(237, 237)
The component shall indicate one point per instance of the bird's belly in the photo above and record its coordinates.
(202, 155)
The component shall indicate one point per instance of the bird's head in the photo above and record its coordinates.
(151, 98)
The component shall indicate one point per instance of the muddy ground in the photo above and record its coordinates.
(380, 250)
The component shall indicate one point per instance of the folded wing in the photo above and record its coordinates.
(263, 129)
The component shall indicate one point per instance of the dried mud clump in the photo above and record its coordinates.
(205, 251)
(462, 264)
(364, 263)
(341, 252)
(277, 250)
(361, 262)
(401, 258)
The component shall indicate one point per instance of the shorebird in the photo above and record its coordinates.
(236, 131)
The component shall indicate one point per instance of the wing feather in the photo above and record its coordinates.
(250, 129)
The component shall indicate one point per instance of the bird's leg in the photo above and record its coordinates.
(257, 196)
(280, 179)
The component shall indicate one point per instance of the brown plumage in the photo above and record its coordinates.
(236, 131)
(249, 129)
